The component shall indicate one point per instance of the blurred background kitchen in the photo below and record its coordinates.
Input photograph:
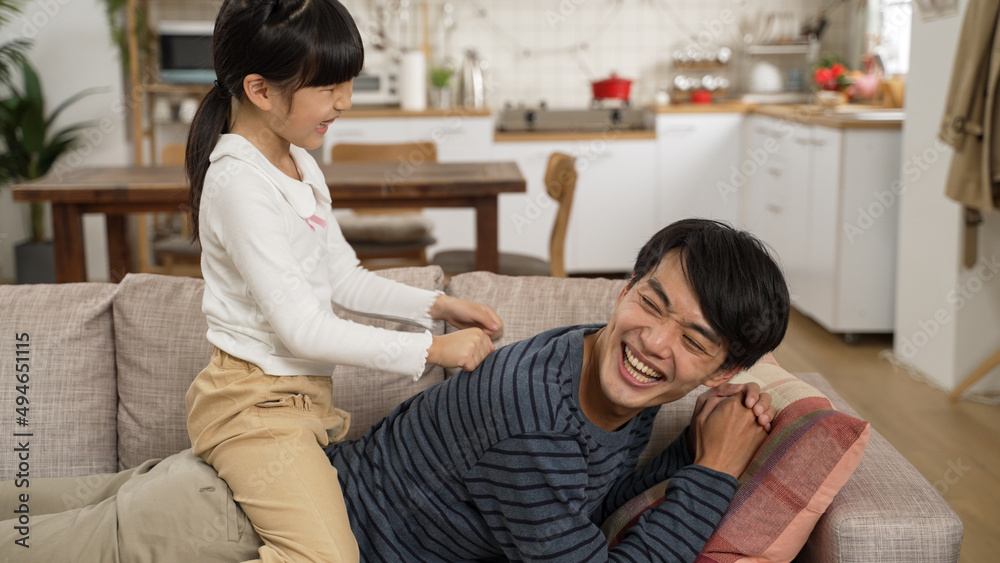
(550, 51)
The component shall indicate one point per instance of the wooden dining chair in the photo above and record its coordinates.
(386, 237)
(173, 252)
(560, 185)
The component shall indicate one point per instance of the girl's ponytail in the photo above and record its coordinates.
(210, 121)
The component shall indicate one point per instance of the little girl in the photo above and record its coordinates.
(274, 259)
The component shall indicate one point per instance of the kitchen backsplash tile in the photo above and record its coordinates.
(551, 49)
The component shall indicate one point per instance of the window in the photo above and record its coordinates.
(888, 33)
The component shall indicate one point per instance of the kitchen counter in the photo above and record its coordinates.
(606, 135)
(390, 112)
(714, 107)
(849, 116)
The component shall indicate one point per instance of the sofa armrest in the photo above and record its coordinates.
(887, 511)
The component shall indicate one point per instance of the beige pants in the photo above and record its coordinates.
(264, 434)
(175, 510)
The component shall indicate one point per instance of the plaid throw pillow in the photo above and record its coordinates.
(811, 452)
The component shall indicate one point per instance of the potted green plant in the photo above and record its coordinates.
(440, 80)
(29, 149)
(11, 54)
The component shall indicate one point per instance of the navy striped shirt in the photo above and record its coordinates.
(501, 463)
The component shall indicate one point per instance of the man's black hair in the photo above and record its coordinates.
(740, 288)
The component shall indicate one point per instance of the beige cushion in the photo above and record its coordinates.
(389, 228)
(162, 347)
(71, 378)
(529, 305)
(369, 395)
(160, 337)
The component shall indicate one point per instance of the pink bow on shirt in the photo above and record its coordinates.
(317, 220)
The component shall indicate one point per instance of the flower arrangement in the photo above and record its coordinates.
(831, 74)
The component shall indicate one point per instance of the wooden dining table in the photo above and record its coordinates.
(119, 191)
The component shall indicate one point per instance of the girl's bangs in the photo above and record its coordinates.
(337, 54)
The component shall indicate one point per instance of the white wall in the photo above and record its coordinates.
(72, 51)
(938, 330)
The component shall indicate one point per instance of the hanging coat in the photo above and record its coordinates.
(972, 115)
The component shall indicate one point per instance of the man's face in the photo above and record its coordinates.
(657, 347)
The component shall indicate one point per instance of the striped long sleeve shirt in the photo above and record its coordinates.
(501, 463)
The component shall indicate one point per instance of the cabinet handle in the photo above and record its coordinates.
(774, 171)
(801, 141)
(773, 208)
(818, 143)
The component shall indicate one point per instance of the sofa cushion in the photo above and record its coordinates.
(160, 331)
(370, 395)
(531, 304)
(64, 334)
(160, 334)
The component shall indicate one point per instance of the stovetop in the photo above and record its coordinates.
(543, 119)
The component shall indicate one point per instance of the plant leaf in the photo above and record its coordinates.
(8, 8)
(12, 54)
(72, 100)
(33, 120)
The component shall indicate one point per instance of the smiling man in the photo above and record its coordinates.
(525, 457)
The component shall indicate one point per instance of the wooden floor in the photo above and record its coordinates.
(956, 446)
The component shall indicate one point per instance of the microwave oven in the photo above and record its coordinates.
(375, 87)
(186, 52)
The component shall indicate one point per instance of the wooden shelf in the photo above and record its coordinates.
(182, 89)
(780, 49)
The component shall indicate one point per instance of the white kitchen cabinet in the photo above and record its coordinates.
(613, 210)
(826, 201)
(368, 130)
(458, 139)
(697, 157)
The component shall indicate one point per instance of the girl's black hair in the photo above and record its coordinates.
(740, 288)
(293, 44)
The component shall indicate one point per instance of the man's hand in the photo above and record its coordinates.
(727, 435)
(467, 314)
(753, 399)
(464, 349)
(758, 405)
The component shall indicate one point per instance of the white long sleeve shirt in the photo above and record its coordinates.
(274, 260)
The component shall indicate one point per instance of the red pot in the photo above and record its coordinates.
(613, 88)
(701, 97)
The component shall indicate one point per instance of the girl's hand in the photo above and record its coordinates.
(464, 349)
(466, 314)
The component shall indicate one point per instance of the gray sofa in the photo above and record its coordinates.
(108, 366)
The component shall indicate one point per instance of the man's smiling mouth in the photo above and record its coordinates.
(640, 371)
